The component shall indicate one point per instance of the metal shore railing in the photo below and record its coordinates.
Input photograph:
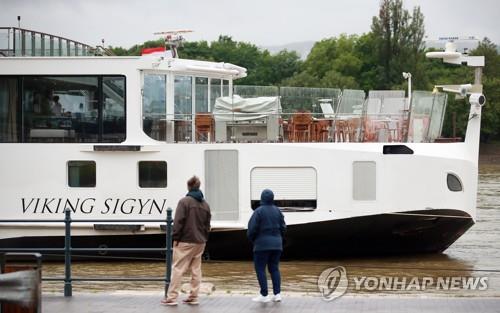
(68, 249)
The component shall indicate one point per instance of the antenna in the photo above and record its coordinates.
(174, 39)
(450, 55)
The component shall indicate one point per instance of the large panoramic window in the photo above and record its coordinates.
(154, 106)
(62, 109)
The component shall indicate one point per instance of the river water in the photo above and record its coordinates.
(476, 254)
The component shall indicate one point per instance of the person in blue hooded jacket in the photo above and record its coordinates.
(266, 229)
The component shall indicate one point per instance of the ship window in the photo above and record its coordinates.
(201, 99)
(364, 180)
(183, 108)
(453, 182)
(154, 106)
(113, 109)
(10, 117)
(61, 109)
(225, 88)
(152, 174)
(81, 174)
(215, 92)
(64, 108)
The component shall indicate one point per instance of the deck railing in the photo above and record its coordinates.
(296, 114)
(68, 249)
(15, 42)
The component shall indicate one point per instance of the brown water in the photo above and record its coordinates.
(477, 254)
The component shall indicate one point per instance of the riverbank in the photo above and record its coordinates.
(147, 302)
(489, 154)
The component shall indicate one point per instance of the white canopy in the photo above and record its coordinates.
(237, 108)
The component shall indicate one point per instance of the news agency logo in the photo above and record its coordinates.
(332, 282)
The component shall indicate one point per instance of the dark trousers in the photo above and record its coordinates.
(271, 258)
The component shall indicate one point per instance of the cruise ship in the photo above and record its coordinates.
(117, 138)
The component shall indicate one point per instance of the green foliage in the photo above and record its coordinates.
(490, 129)
(398, 42)
(263, 68)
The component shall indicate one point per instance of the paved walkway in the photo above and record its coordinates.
(124, 303)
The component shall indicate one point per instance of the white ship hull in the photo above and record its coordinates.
(412, 197)
(341, 198)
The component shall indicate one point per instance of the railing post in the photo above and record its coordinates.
(68, 288)
(168, 252)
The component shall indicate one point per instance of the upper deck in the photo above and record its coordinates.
(149, 100)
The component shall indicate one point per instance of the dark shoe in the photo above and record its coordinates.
(190, 301)
(168, 302)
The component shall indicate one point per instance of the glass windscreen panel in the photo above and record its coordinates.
(385, 115)
(18, 42)
(64, 47)
(71, 48)
(154, 106)
(38, 45)
(308, 113)
(28, 45)
(47, 43)
(427, 114)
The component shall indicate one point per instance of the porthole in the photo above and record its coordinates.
(453, 182)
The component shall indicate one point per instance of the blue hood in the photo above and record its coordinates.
(266, 197)
(196, 194)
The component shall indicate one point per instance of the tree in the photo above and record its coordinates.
(332, 63)
(490, 129)
(263, 67)
(398, 37)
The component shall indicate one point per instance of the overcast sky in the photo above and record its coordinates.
(263, 22)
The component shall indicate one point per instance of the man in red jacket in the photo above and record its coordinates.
(190, 234)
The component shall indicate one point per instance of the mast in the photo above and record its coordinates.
(473, 91)
(174, 39)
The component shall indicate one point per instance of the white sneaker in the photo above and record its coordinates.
(277, 298)
(261, 299)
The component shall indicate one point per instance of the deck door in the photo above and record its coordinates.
(221, 184)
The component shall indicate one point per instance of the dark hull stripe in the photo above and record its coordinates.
(382, 234)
